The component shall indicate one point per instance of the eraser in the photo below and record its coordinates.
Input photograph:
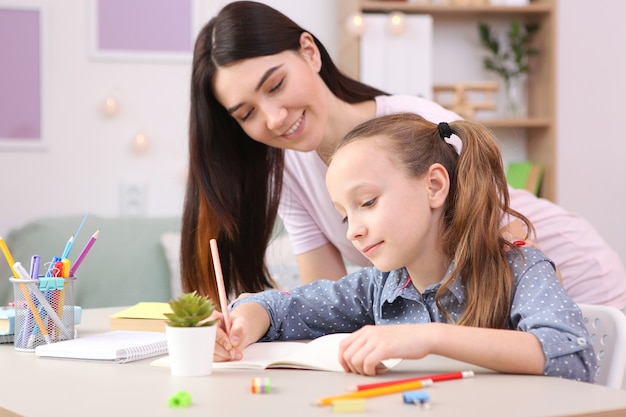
(416, 397)
(260, 386)
(179, 400)
(420, 397)
(349, 405)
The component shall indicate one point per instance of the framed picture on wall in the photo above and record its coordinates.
(22, 34)
(144, 30)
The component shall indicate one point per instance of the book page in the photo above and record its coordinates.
(256, 356)
(318, 354)
(262, 355)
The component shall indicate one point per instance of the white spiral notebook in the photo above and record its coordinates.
(119, 346)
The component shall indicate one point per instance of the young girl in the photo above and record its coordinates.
(445, 280)
(267, 103)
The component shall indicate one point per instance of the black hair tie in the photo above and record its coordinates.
(444, 130)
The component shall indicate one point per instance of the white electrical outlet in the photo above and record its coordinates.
(132, 198)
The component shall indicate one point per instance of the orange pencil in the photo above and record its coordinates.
(375, 392)
(221, 288)
(434, 378)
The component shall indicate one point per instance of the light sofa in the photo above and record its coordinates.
(134, 259)
(126, 264)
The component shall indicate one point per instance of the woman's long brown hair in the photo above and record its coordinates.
(234, 183)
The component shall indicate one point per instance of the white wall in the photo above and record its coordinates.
(591, 104)
(88, 155)
(318, 16)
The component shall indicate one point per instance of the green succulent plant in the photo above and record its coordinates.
(190, 310)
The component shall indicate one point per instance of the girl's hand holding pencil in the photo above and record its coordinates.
(224, 348)
(233, 336)
(249, 322)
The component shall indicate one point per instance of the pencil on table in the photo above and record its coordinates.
(375, 392)
(434, 378)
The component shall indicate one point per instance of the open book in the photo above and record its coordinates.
(320, 354)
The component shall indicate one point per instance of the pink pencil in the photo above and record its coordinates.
(434, 378)
(221, 288)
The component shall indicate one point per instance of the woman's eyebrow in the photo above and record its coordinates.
(264, 78)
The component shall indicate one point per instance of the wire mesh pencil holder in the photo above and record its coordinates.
(44, 311)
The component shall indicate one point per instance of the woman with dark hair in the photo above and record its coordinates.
(268, 106)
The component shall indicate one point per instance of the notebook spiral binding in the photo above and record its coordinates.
(142, 352)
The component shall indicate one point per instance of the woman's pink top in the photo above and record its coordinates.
(592, 272)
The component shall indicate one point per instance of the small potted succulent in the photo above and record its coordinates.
(190, 335)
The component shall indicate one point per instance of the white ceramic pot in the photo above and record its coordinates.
(191, 350)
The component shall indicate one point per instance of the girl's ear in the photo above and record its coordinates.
(310, 52)
(438, 185)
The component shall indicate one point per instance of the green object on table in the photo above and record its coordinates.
(179, 400)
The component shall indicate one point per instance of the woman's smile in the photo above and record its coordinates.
(296, 128)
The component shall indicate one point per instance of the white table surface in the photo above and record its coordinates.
(38, 387)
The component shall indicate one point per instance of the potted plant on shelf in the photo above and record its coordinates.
(190, 335)
(508, 58)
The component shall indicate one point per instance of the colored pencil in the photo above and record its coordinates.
(8, 257)
(221, 288)
(375, 392)
(434, 378)
(68, 247)
(84, 252)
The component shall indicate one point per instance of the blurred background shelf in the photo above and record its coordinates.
(539, 133)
